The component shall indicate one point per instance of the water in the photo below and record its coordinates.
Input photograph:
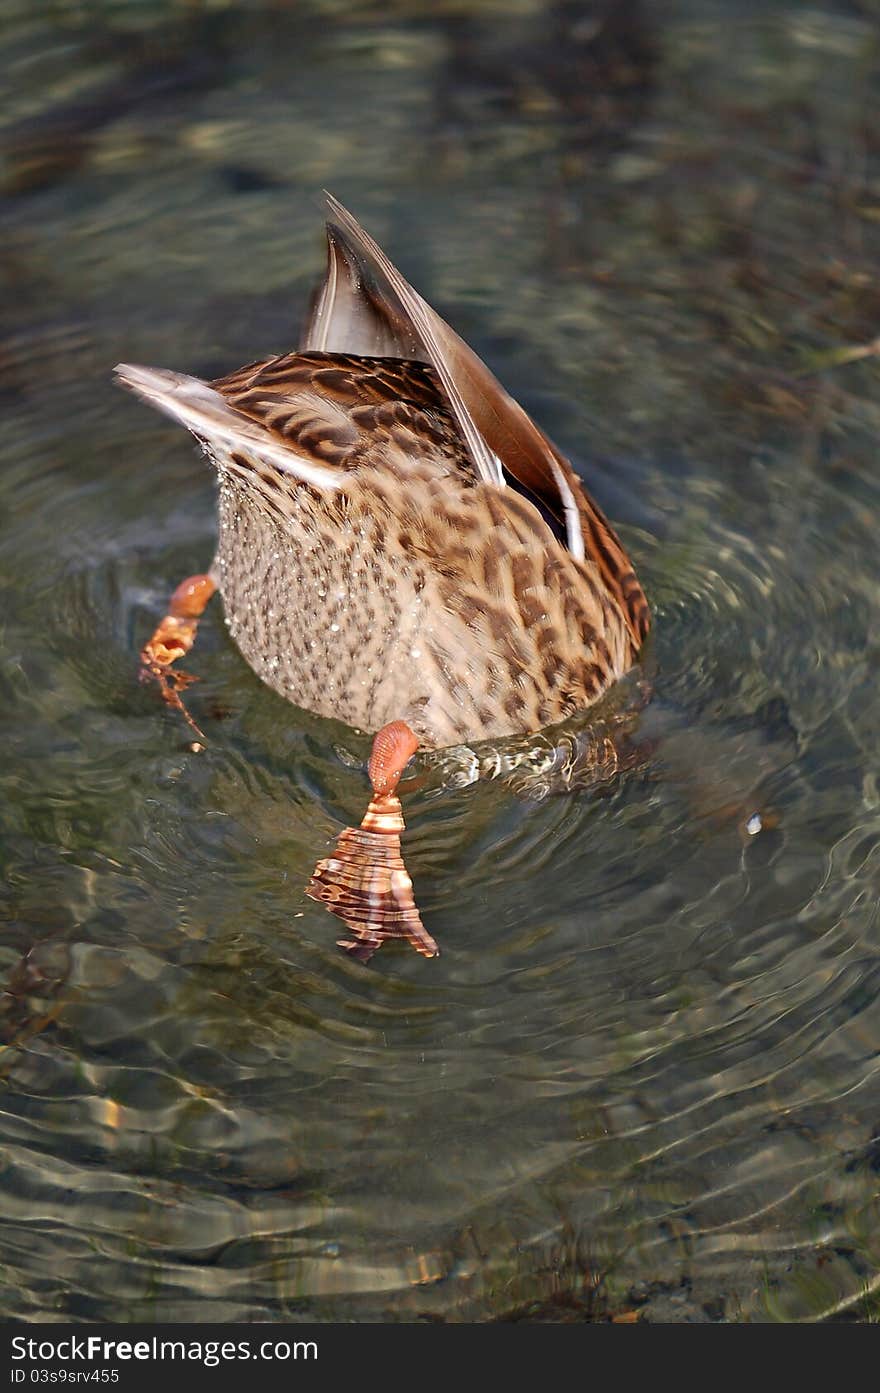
(643, 1075)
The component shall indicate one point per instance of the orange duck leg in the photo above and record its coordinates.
(173, 638)
(365, 882)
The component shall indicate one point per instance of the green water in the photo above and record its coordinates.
(644, 1073)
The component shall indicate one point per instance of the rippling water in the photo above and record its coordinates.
(643, 1075)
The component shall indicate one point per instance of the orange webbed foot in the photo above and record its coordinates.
(365, 882)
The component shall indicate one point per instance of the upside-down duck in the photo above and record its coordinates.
(400, 547)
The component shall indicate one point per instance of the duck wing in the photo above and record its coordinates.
(364, 300)
(348, 412)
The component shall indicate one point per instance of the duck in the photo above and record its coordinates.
(400, 547)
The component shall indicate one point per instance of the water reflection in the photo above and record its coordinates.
(642, 1076)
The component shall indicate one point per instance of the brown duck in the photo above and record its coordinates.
(400, 547)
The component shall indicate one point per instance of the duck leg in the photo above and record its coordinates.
(173, 638)
(365, 882)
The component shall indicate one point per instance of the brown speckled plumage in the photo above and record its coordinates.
(398, 541)
(381, 575)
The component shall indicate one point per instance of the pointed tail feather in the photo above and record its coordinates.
(365, 884)
(218, 426)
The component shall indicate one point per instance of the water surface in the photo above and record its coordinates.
(643, 1075)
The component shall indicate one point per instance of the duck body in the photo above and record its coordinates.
(399, 547)
(397, 540)
(417, 592)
